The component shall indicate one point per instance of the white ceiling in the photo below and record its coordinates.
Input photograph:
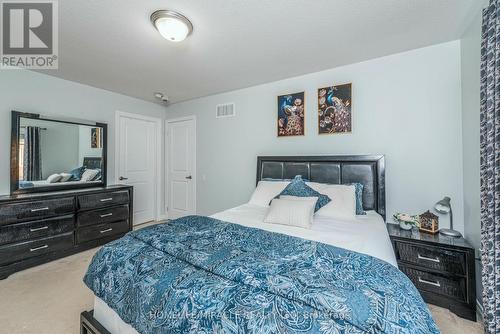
(111, 44)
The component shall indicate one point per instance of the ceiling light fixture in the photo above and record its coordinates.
(172, 26)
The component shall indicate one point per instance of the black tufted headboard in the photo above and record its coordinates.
(366, 169)
(92, 162)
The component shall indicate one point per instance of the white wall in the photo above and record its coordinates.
(406, 106)
(56, 157)
(59, 157)
(471, 61)
(28, 91)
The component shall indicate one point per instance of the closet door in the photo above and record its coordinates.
(181, 162)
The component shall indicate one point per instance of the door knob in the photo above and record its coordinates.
(189, 177)
(121, 178)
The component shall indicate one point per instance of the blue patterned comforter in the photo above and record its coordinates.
(201, 275)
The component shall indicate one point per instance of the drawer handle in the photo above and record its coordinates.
(106, 199)
(38, 228)
(38, 248)
(420, 257)
(436, 283)
(106, 230)
(106, 215)
(40, 209)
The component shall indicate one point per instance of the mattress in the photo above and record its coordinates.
(366, 234)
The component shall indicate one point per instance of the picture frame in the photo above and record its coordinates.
(335, 109)
(291, 115)
(95, 138)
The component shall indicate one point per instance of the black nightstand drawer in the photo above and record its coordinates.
(449, 286)
(431, 257)
(442, 268)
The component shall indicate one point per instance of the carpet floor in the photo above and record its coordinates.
(49, 299)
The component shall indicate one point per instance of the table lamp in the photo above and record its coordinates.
(444, 207)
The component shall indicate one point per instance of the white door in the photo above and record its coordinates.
(181, 162)
(136, 159)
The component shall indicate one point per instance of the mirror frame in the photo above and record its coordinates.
(14, 154)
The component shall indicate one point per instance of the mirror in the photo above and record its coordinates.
(52, 154)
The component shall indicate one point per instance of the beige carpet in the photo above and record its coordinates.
(49, 299)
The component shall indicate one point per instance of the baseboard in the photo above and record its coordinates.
(162, 217)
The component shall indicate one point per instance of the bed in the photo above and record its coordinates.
(317, 305)
(88, 163)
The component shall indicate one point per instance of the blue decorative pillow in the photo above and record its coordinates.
(359, 198)
(300, 189)
(76, 174)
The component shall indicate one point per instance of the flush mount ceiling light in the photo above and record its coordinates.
(172, 26)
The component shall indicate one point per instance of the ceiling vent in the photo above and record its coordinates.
(225, 110)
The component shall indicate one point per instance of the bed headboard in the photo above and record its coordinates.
(92, 162)
(368, 170)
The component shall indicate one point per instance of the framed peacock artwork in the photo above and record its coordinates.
(291, 111)
(335, 109)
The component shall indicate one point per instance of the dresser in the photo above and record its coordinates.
(441, 268)
(38, 228)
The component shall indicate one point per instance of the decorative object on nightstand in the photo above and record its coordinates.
(429, 222)
(441, 268)
(444, 207)
(406, 221)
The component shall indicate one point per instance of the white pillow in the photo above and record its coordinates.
(292, 212)
(65, 177)
(266, 191)
(89, 175)
(343, 200)
(53, 178)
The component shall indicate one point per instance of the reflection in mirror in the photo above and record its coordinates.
(57, 153)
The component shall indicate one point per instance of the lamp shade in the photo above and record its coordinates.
(171, 25)
(443, 206)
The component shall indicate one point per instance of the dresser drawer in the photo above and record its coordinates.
(22, 211)
(36, 229)
(94, 232)
(431, 257)
(102, 216)
(101, 200)
(25, 250)
(448, 286)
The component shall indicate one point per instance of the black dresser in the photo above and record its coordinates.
(38, 228)
(442, 268)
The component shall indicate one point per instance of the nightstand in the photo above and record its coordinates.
(442, 268)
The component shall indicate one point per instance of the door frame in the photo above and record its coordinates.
(167, 156)
(158, 154)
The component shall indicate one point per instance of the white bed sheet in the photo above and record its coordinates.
(366, 234)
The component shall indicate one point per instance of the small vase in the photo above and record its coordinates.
(405, 225)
